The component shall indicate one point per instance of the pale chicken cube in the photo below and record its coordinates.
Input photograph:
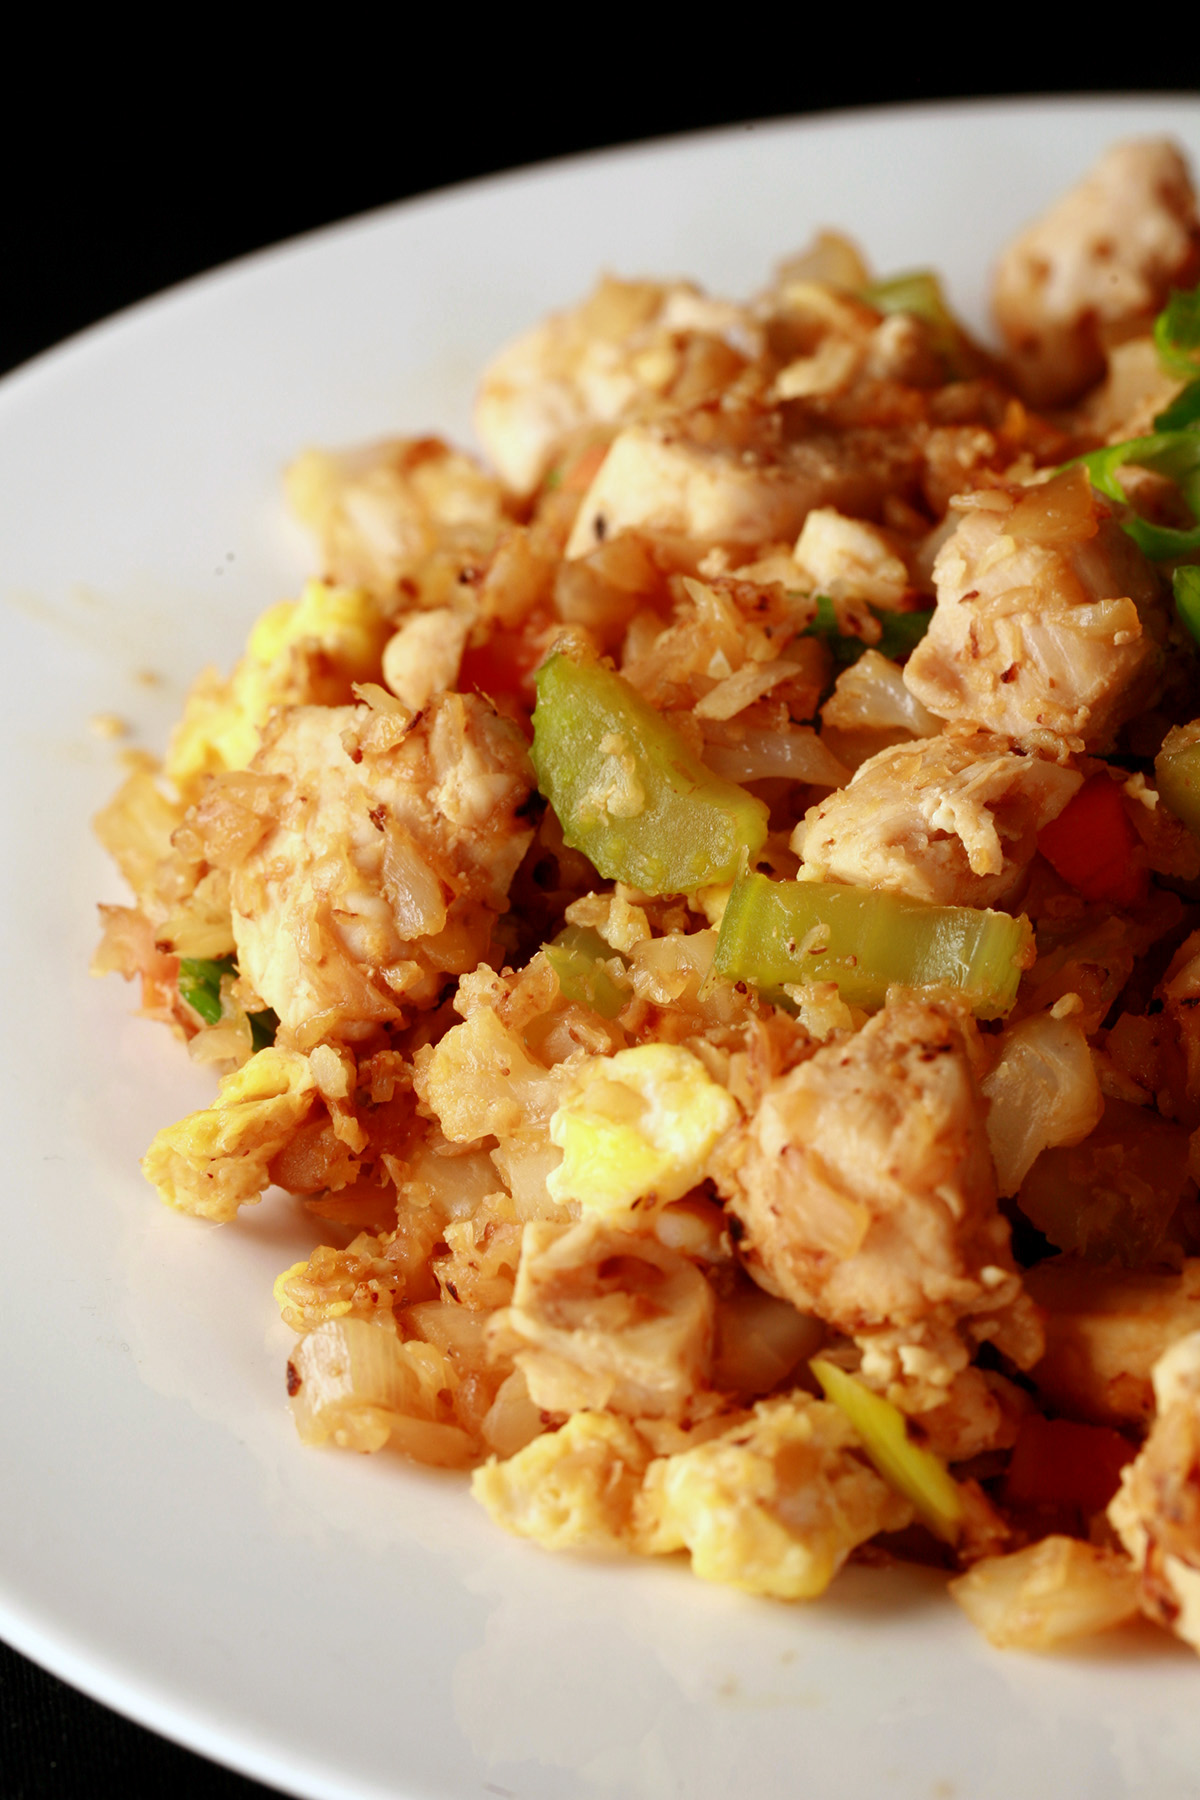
(1049, 622)
(377, 511)
(422, 658)
(850, 560)
(950, 819)
(866, 1191)
(661, 476)
(654, 479)
(1105, 1331)
(1156, 1510)
(626, 344)
(1103, 259)
(382, 861)
(601, 1318)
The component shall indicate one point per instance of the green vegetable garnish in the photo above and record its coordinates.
(577, 956)
(1173, 447)
(900, 632)
(627, 789)
(1177, 333)
(263, 1026)
(200, 984)
(918, 1474)
(920, 293)
(1186, 585)
(779, 934)
(1183, 412)
(1175, 454)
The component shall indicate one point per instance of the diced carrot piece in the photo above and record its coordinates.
(1093, 845)
(1056, 1462)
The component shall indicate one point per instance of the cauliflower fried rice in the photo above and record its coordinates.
(703, 908)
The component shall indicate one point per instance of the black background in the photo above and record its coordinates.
(124, 177)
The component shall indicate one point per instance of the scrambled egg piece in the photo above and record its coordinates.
(572, 1489)
(638, 1127)
(773, 1506)
(304, 651)
(216, 1160)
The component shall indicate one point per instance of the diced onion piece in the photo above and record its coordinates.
(1047, 1594)
(1043, 1092)
(796, 754)
(760, 1340)
(356, 1385)
(918, 1474)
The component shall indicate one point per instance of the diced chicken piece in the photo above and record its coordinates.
(1105, 1330)
(850, 560)
(1101, 261)
(422, 658)
(774, 1505)
(1156, 1510)
(1049, 621)
(601, 1318)
(653, 479)
(377, 511)
(982, 1411)
(629, 343)
(660, 477)
(383, 862)
(866, 1191)
(951, 819)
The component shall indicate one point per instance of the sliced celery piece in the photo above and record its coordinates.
(629, 792)
(782, 933)
(918, 1474)
(577, 956)
(1177, 774)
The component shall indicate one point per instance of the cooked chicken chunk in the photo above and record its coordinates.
(664, 477)
(630, 342)
(951, 819)
(601, 1318)
(1049, 622)
(850, 560)
(1105, 1330)
(1156, 1510)
(866, 1190)
(376, 511)
(386, 862)
(1099, 262)
(422, 658)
